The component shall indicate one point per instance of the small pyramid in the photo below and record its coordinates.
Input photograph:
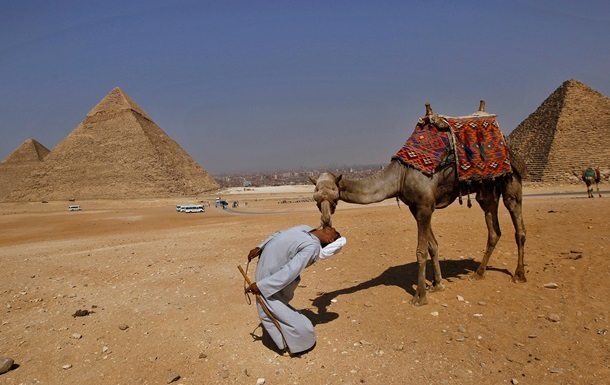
(29, 151)
(569, 132)
(116, 152)
(19, 164)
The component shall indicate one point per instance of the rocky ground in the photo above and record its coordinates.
(132, 292)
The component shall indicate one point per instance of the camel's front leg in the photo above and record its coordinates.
(422, 216)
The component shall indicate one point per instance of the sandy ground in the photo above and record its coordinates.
(165, 295)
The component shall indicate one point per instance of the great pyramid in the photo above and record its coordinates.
(19, 164)
(569, 132)
(116, 152)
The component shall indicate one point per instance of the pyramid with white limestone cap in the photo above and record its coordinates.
(116, 152)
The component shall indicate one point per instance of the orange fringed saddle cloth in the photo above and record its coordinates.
(480, 146)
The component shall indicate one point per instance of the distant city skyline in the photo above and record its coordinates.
(247, 86)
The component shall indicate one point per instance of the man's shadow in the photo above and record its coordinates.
(403, 276)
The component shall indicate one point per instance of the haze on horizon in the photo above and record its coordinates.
(247, 86)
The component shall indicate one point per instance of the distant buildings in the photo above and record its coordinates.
(290, 177)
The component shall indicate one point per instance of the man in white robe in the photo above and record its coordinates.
(283, 256)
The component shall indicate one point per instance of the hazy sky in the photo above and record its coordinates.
(265, 85)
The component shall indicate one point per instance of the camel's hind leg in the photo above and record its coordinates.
(589, 188)
(488, 200)
(597, 187)
(437, 284)
(513, 199)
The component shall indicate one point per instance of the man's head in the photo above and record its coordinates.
(326, 235)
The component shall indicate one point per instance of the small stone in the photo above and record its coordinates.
(123, 326)
(6, 364)
(551, 285)
(434, 314)
(514, 381)
(66, 367)
(81, 313)
(368, 304)
(460, 298)
(260, 381)
(105, 349)
(203, 355)
(532, 336)
(77, 336)
(482, 303)
(172, 376)
(556, 370)
(553, 317)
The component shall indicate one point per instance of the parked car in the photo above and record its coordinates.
(74, 208)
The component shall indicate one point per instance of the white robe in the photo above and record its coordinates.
(285, 255)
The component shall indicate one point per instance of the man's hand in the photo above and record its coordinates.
(255, 252)
(253, 289)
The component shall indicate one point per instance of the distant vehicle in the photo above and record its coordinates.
(74, 208)
(193, 209)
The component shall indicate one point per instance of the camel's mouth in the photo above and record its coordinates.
(326, 209)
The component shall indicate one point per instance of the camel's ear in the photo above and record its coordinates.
(338, 178)
(315, 182)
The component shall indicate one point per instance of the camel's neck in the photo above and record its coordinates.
(376, 188)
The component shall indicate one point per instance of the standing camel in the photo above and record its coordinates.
(591, 176)
(425, 193)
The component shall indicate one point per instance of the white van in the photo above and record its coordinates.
(193, 209)
(74, 208)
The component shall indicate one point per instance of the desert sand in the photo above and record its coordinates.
(164, 296)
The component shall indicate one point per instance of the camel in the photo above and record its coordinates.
(424, 194)
(590, 176)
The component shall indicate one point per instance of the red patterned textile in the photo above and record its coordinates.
(425, 148)
(481, 148)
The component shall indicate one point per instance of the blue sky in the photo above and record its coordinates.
(266, 85)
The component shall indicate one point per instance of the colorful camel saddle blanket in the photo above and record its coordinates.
(592, 173)
(481, 149)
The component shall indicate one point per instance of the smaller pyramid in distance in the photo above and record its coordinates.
(116, 152)
(567, 133)
(19, 164)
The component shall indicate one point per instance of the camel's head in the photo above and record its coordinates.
(326, 196)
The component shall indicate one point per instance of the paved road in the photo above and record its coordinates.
(568, 194)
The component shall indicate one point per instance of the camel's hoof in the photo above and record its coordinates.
(418, 301)
(474, 276)
(518, 279)
(435, 288)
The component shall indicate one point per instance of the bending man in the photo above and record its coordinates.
(283, 256)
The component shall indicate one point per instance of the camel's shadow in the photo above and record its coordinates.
(403, 276)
